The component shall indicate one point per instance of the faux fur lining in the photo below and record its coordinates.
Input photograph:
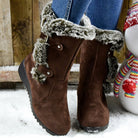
(112, 68)
(112, 71)
(39, 52)
(40, 57)
(61, 27)
(112, 37)
(52, 25)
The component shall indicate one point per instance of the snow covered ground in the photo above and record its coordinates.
(17, 121)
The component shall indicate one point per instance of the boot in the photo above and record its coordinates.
(93, 113)
(45, 71)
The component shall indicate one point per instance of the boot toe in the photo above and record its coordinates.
(53, 123)
(94, 120)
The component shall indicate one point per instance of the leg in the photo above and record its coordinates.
(107, 15)
(71, 10)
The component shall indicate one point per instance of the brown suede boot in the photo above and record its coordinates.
(45, 71)
(49, 98)
(93, 113)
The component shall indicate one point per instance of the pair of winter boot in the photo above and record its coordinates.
(45, 72)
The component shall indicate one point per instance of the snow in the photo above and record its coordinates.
(9, 68)
(75, 68)
(17, 121)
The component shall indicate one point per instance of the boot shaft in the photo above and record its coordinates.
(93, 70)
(93, 114)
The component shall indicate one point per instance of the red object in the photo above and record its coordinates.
(129, 86)
(131, 22)
(132, 17)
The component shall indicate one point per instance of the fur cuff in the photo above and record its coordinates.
(52, 25)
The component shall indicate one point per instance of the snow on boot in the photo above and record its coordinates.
(93, 113)
(45, 71)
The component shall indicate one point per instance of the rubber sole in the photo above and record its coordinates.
(23, 76)
(94, 129)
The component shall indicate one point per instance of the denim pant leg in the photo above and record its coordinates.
(71, 10)
(104, 13)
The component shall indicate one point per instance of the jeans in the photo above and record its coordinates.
(102, 13)
(71, 10)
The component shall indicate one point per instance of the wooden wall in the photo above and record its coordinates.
(24, 28)
(6, 49)
(20, 27)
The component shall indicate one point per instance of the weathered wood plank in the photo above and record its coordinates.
(6, 51)
(74, 78)
(21, 13)
(10, 74)
(13, 76)
(36, 20)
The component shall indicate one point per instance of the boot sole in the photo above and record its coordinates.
(94, 129)
(23, 76)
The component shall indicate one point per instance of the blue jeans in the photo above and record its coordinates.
(102, 13)
(71, 10)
